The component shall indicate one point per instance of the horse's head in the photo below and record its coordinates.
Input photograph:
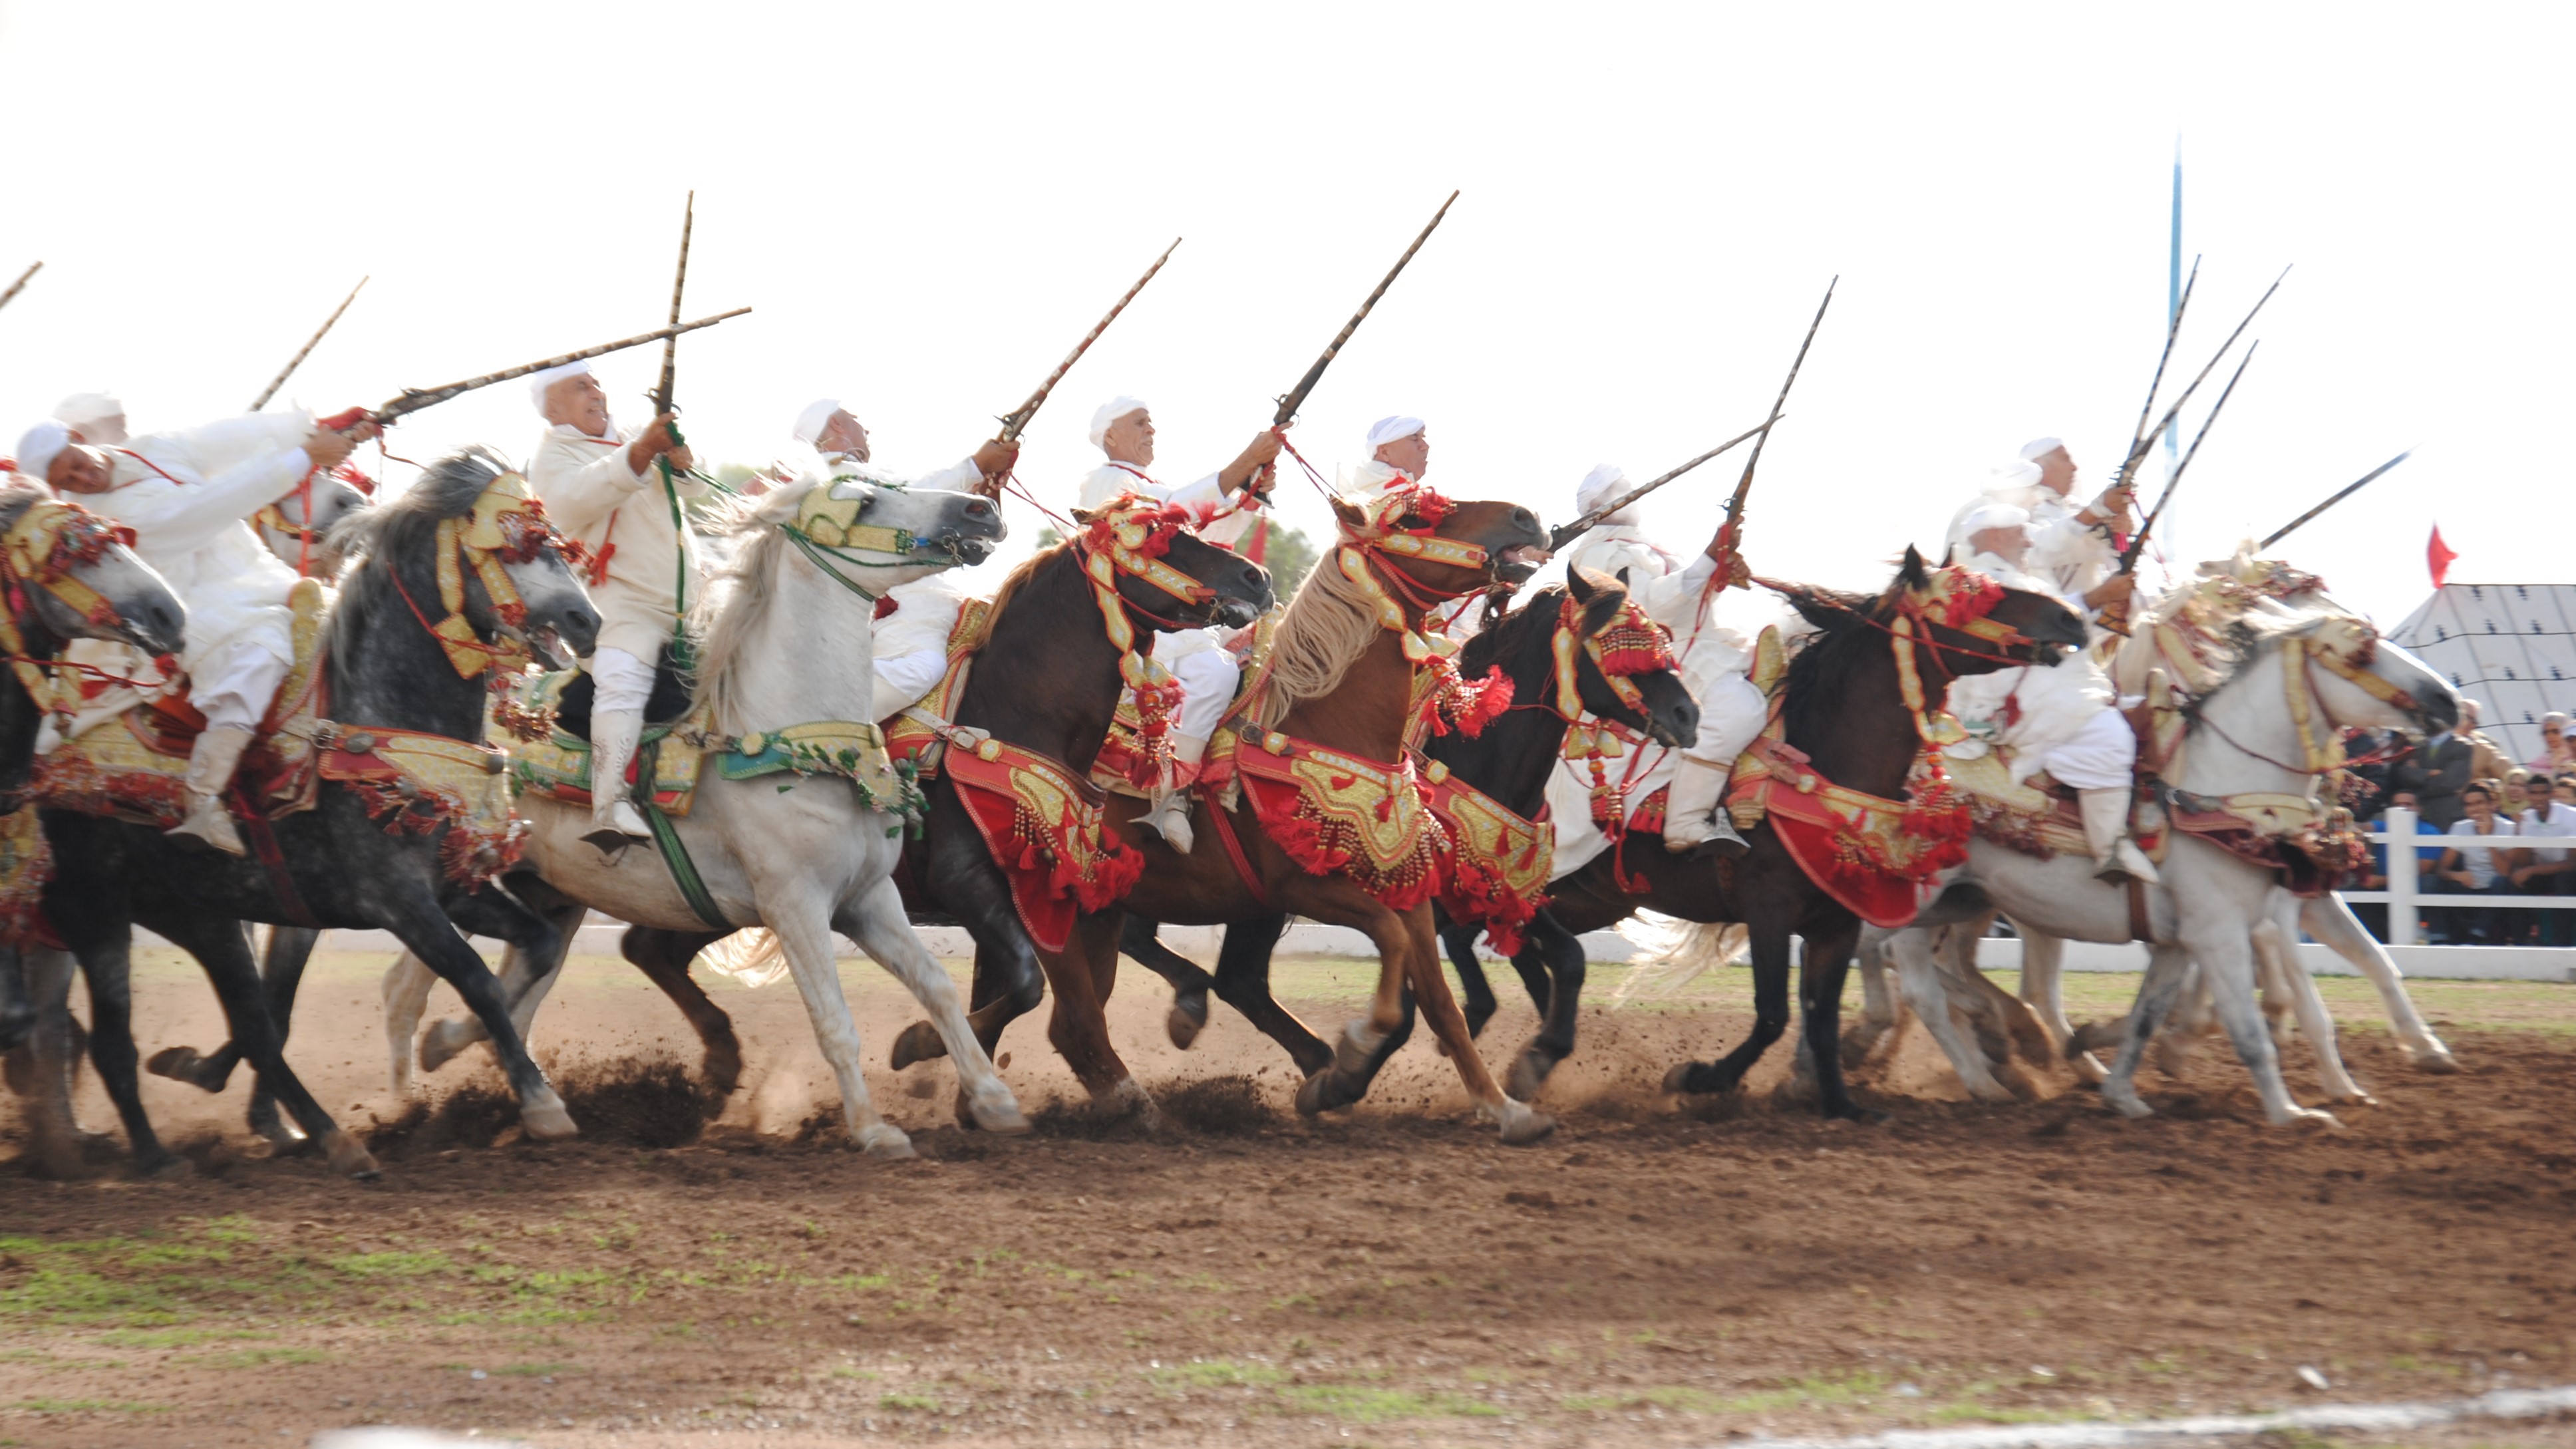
(1431, 549)
(2362, 679)
(78, 577)
(1624, 669)
(1167, 575)
(875, 534)
(298, 526)
(499, 566)
(1965, 622)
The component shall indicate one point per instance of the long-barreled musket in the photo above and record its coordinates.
(413, 399)
(1016, 420)
(1295, 397)
(2114, 614)
(2173, 328)
(2285, 530)
(20, 285)
(306, 350)
(1565, 533)
(2139, 450)
(671, 344)
(1730, 534)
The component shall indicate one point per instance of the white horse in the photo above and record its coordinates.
(2213, 904)
(785, 641)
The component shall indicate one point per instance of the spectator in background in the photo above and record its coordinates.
(2515, 801)
(2487, 759)
(2547, 870)
(2483, 869)
(2554, 747)
(2435, 772)
(2374, 914)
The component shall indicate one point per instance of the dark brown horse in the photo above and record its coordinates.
(1356, 702)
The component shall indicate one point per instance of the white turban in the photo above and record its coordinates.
(2014, 475)
(1110, 412)
(817, 416)
(538, 382)
(1992, 515)
(1599, 486)
(1387, 430)
(2038, 448)
(40, 445)
(87, 407)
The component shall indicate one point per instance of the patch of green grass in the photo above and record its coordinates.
(1807, 1393)
(534, 1370)
(844, 1371)
(922, 1403)
(1216, 1374)
(392, 1264)
(169, 1337)
(1360, 1404)
(244, 1358)
(1971, 1412)
(87, 1406)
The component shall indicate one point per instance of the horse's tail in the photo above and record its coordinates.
(752, 957)
(1673, 953)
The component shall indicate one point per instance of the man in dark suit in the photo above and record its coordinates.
(2437, 771)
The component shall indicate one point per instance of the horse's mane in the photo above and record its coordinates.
(1010, 590)
(1328, 626)
(373, 539)
(734, 607)
(1842, 630)
(1500, 634)
(17, 498)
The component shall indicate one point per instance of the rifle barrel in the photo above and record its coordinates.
(413, 399)
(1017, 419)
(1733, 528)
(2129, 556)
(20, 285)
(1566, 533)
(679, 283)
(1296, 396)
(2173, 329)
(2349, 489)
(301, 353)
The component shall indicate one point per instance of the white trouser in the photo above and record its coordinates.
(234, 681)
(903, 679)
(1731, 713)
(622, 683)
(2101, 756)
(1207, 678)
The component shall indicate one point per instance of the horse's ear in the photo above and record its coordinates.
(1603, 602)
(1082, 515)
(1583, 583)
(1348, 513)
(1623, 576)
(1911, 573)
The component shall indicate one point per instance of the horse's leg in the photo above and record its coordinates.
(1478, 1002)
(1421, 966)
(101, 935)
(2277, 940)
(2225, 951)
(281, 973)
(2333, 924)
(1768, 933)
(2195, 1015)
(1825, 960)
(1878, 1005)
(876, 920)
(798, 915)
(1010, 981)
(1190, 985)
(417, 920)
(1918, 973)
(45, 1068)
(1552, 959)
(525, 980)
(404, 996)
(2043, 985)
(664, 957)
(222, 948)
(1243, 982)
(2168, 967)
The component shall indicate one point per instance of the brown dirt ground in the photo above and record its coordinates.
(1652, 1274)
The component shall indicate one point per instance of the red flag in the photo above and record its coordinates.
(1257, 547)
(2438, 557)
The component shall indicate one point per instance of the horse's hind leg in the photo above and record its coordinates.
(416, 917)
(17, 1008)
(525, 979)
(1918, 973)
(2332, 922)
(1552, 960)
(2276, 942)
(45, 1068)
(1769, 937)
(1243, 982)
(1476, 992)
(2043, 986)
(1190, 985)
(404, 994)
(877, 922)
(664, 957)
(281, 973)
(2167, 969)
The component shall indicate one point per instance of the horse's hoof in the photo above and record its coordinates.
(162, 1166)
(995, 1111)
(2127, 1103)
(440, 1044)
(2437, 1061)
(1189, 1017)
(1990, 1090)
(1323, 1092)
(1528, 1074)
(1521, 1124)
(1358, 1042)
(885, 1142)
(547, 1121)
(1125, 1099)
(2312, 1120)
(1692, 1078)
(349, 1159)
(724, 1070)
(918, 1042)
(179, 1064)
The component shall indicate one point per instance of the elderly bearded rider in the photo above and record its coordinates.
(1684, 598)
(189, 497)
(603, 488)
(2059, 717)
(1221, 507)
(1399, 454)
(913, 620)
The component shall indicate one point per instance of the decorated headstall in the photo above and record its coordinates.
(272, 516)
(507, 525)
(39, 552)
(827, 531)
(1130, 536)
(1404, 522)
(2344, 646)
(1958, 599)
(1626, 645)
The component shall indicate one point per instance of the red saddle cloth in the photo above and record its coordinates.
(1337, 813)
(1874, 855)
(1499, 863)
(1045, 830)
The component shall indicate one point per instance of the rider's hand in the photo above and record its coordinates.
(682, 460)
(2117, 587)
(328, 449)
(649, 444)
(995, 457)
(2113, 506)
(1739, 574)
(1263, 450)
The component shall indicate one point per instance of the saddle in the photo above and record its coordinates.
(551, 715)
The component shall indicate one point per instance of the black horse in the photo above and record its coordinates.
(363, 857)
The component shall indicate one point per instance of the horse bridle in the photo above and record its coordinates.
(1627, 644)
(39, 551)
(507, 525)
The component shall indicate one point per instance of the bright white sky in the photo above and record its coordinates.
(927, 204)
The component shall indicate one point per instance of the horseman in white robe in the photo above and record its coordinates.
(2061, 717)
(1221, 507)
(189, 497)
(1684, 597)
(1399, 453)
(914, 620)
(2070, 543)
(95, 418)
(605, 488)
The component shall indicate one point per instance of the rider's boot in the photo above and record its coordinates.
(1170, 815)
(210, 773)
(2116, 858)
(1693, 816)
(614, 821)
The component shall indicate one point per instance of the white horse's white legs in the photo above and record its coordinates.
(2275, 942)
(2333, 924)
(877, 921)
(807, 942)
(2168, 968)
(405, 993)
(1919, 975)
